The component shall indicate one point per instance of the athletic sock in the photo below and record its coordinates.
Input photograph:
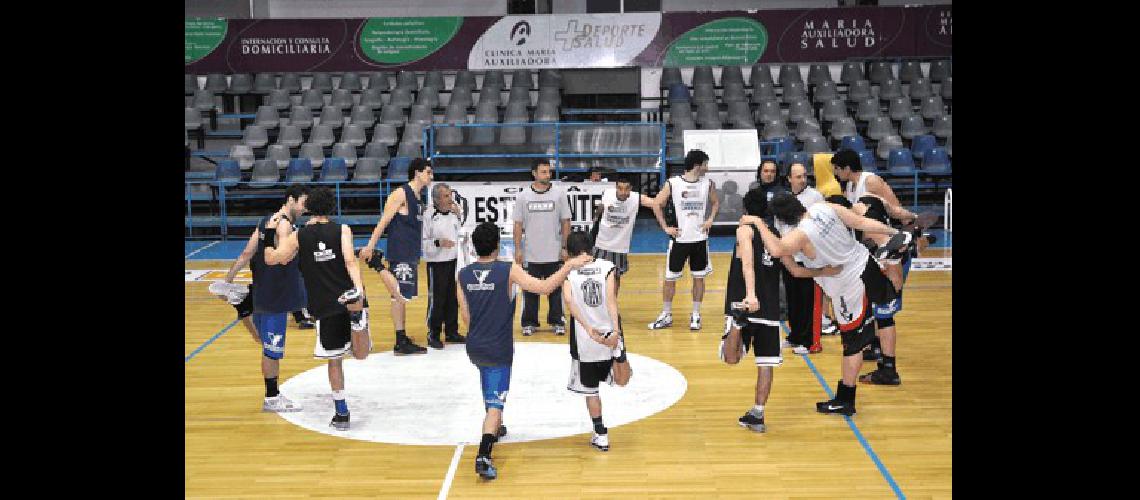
(339, 403)
(400, 334)
(486, 444)
(271, 387)
(599, 427)
(888, 363)
(696, 307)
(667, 307)
(845, 394)
(758, 410)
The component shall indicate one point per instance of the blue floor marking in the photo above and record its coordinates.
(212, 339)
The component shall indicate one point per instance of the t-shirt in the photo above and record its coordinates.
(541, 214)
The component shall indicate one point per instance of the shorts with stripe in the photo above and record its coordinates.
(620, 260)
(761, 335)
(890, 309)
(697, 253)
(334, 336)
(585, 376)
(495, 381)
(271, 328)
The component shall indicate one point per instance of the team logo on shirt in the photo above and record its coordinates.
(481, 275)
(540, 206)
(592, 292)
(403, 272)
(323, 254)
(690, 194)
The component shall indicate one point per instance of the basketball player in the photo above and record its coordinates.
(803, 295)
(597, 347)
(279, 290)
(404, 211)
(691, 194)
(487, 301)
(614, 225)
(754, 280)
(541, 224)
(335, 289)
(820, 233)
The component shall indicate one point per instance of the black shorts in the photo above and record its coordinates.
(879, 287)
(334, 336)
(861, 336)
(585, 376)
(697, 253)
(764, 340)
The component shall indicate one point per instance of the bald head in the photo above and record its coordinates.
(797, 177)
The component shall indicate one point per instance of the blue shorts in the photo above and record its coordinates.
(888, 310)
(271, 329)
(406, 277)
(496, 381)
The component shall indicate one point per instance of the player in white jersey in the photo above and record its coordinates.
(819, 235)
(614, 224)
(691, 195)
(597, 347)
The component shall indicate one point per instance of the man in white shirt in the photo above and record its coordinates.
(441, 233)
(614, 224)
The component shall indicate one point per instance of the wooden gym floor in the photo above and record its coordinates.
(692, 449)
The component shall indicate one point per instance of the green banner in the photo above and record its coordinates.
(203, 36)
(406, 39)
(728, 41)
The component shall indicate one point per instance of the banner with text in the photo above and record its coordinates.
(567, 40)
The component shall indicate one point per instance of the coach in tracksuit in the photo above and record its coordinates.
(441, 234)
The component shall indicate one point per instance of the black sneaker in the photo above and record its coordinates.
(455, 339)
(433, 342)
(752, 422)
(881, 377)
(872, 354)
(339, 422)
(835, 406)
(405, 346)
(485, 467)
(306, 324)
(502, 431)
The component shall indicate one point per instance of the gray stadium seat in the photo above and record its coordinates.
(704, 93)
(519, 95)
(880, 127)
(428, 96)
(241, 83)
(279, 153)
(377, 151)
(931, 107)
(899, 108)
(464, 79)
(546, 112)
(314, 152)
(483, 136)
(321, 82)
(824, 91)
(204, 100)
(372, 97)
(909, 71)
(493, 77)
(407, 80)
(368, 169)
(867, 109)
(342, 99)
(521, 78)
(514, 135)
(254, 136)
(764, 91)
(940, 70)
(363, 115)
(549, 78)
(332, 116)
(851, 72)
(401, 97)
(290, 136)
(312, 99)
(354, 135)
(392, 115)
(346, 151)
(680, 110)
(216, 83)
(858, 90)
(819, 73)
(462, 96)
(809, 127)
(947, 90)
(886, 144)
(790, 73)
(880, 72)
(731, 75)
(768, 110)
(263, 83)
(301, 117)
(420, 113)
(739, 115)
(491, 94)
(816, 144)
(449, 136)
(434, 78)
(290, 82)
(703, 75)
(734, 92)
(799, 110)
(833, 109)
(943, 126)
(794, 91)
(670, 76)
(890, 89)
(950, 146)
(550, 95)
(841, 128)
(761, 73)
(351, 81)
(920, 89)
(708, 117)
(409, 149)
(379, 80)
(456, 113)
(911, 126)
(385, 134)
(191, 84)
(322, 135)
(193, 118)
(774, 130)
(265, 173)
(243, 154)
(279, 99)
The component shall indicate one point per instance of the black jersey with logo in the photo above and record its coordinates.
(322, 266)
(767, 274)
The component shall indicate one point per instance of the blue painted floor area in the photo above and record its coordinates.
(647, 238)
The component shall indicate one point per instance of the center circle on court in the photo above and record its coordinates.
(435, 398)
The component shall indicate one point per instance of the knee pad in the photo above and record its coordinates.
(885, 322)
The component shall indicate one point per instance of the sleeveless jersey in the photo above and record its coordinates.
(405, 233)
(834, 245)
(690, 201)
(486, 288)
(322, 266)
(588, 291)
(616, 225)
(767, 275)
(857, 189)
(279, 287)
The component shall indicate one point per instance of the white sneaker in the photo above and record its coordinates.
(799, 349)
(528, 331)
(601, 441)
(280, 404)
(784, 344)
(664, 320)
(828, 326)
(695, 322)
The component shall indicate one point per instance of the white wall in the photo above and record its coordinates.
(384, 8)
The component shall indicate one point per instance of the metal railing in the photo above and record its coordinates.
(948, 213)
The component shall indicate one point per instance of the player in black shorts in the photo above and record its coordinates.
(752, 306)
(335, 291)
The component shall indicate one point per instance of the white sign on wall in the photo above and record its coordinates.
(732, 149)
(564, 41)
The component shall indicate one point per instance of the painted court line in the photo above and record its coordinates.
(191, 254)
(854, 428)
(450, 472)
(212, 339)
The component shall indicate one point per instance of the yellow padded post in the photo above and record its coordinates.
(825, 181)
